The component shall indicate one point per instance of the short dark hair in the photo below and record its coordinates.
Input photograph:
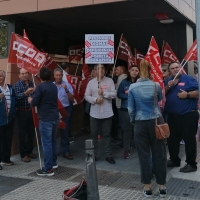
(45, 74)
(173, 63)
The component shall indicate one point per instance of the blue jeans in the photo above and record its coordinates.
(48, 137)
(64, 133)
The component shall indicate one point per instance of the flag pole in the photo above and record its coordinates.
(161, 54)
(36, 134)
(182, 66)
(116, 55)
(6, 74)
(77, 67)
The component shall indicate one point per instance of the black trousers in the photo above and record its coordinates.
(150, 151)
(6, 134)
(26, 132)
(183, 127)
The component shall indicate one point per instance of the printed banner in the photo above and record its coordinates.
(138, 57)
(153, 57)
(192, 53)
(168, 55)
(99, 48)
(25, 54)
(76, 52)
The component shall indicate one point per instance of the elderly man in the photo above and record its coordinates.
(99, 92)
(65, 95)
(181, 107)
(45, 98)
(23, 89)
(7, 108)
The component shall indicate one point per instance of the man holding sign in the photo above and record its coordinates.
(99, 92)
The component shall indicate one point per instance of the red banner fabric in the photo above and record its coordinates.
(25, 54)
(76, 52)
(138, 57)
(192, 53)
(168, 55)
(124, 49)
(153, 57)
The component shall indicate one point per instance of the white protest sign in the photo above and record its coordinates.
(99, 48)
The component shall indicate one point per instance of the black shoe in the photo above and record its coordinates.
(171, 164)
(162, 192)
(45, 173)
(188, 168)
(110, 160)
(8, 163)
(147, 193)
(1, 167)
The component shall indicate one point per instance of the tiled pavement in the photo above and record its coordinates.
(119, 181)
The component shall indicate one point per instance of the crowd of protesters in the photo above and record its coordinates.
(122, 99)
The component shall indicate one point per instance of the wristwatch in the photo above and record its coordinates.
(188, 95)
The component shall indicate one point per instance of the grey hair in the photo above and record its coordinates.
(3, 73)
(58, 70)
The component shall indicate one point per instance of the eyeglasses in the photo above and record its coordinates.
(164, 70)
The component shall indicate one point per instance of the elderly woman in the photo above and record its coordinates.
(7, 107)
(143, 110)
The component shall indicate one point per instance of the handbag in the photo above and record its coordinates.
(162, 130)
(78, 192)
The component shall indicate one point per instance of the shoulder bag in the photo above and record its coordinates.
(162, 130)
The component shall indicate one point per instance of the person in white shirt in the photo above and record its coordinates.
(99, 92)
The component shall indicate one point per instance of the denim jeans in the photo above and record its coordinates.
(105, 125)
(64, 133)
(148, 145)
(128, 129)
(48, 137)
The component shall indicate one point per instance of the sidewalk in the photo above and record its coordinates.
(119, 181)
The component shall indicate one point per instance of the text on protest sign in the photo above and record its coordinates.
(99, 49)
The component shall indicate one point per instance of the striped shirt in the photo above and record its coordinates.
(21, 99)
(103, 110)
(6, 93)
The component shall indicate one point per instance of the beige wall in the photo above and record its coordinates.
(186, 7)
(23, 6)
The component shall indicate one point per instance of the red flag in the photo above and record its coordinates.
(168, 55)
(138, 57)
(76, 52)
(124, 49)
(153, 57)
(25, 54)
(192, 53)
(131, 59)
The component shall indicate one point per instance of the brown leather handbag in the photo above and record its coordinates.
(162, 130)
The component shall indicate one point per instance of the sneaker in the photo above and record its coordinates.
(162, 192)
(1, 167)
(126, 155)
(188, 168)
(182, 142)
(55, 166)
(147, 193)
(45, 173)
(8, 163)
(71, 140)
(129, 152)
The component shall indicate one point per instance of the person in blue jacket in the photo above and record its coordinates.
(122, 94)
(7, 110)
